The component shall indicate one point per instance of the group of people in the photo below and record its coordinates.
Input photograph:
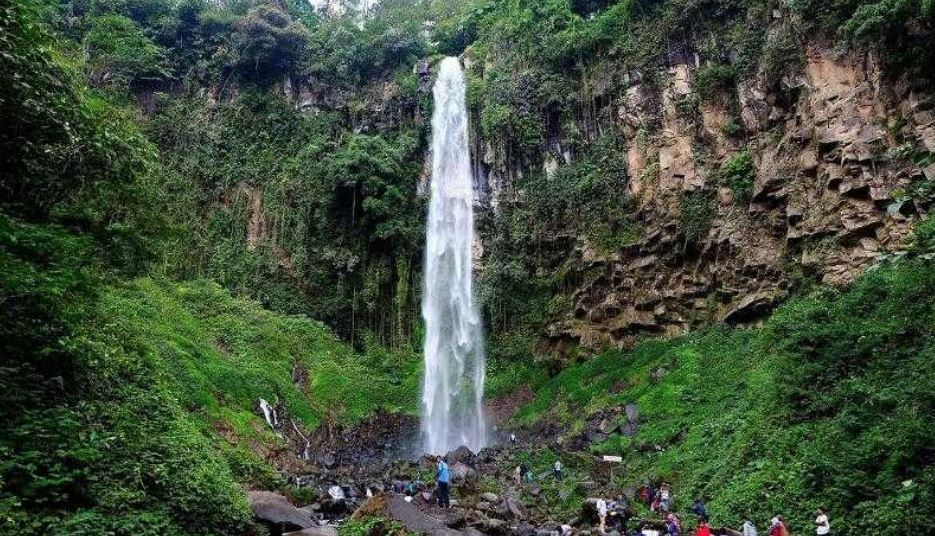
(660, 500)
(778, 527)
(522, 473)
(656, 499)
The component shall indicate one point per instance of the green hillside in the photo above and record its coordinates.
(113, 393)
(828, 404)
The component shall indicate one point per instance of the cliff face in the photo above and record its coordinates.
(828, 154)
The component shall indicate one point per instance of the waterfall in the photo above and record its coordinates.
(453, 385)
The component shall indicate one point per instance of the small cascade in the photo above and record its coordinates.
(269, 413)
(306, 451)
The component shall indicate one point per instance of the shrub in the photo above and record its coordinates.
(120, 54)
(269, 42)
(738, 173)
(715, 79)
(696, 212)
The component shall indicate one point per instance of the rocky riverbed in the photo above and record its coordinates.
(370, 472)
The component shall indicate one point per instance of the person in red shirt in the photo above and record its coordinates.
(703, 529)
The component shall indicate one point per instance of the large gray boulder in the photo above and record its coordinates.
(463, 475)
(463, 455)
(276, 510)
(325, 530)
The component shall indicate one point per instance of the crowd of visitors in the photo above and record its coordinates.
(616, 514)
(659, 500)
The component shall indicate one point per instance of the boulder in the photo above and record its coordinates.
(324, 530)
(633, 413)
(398, 509)
(513, 507)
(489, 497)
(276, 510)
(463, 455)
(751, 307)
(463, 475)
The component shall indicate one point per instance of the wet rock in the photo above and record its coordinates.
(463, 455)
(276, 510)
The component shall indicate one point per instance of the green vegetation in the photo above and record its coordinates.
(715, 79)
(828, 404)
(696, 212)
(185, 186)
(738, 173)
(111, 410)
(129, 397)
(93, 437)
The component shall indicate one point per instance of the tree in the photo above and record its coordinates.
(120, 54)
(269, 42)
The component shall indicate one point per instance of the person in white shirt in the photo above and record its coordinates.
(558, 469)
(749, 529)
(822, 527)
(602, 512)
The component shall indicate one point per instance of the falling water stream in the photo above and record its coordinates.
(453, 386)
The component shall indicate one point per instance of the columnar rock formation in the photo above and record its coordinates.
(827, 200)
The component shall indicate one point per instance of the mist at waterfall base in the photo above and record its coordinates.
(453, 385)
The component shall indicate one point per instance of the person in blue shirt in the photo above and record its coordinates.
(444, 481)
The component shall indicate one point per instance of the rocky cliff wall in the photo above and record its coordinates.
(831, 149)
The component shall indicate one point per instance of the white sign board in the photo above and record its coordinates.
(616, 459)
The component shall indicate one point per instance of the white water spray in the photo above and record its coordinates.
(453, 386)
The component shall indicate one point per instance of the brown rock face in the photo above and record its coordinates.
(825, 151)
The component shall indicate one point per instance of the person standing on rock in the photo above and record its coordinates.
(512, 438)
(444, 481)
(558, 469)
(602, 512)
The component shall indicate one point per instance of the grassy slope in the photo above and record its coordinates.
(111, 392)
(222, 354)
(831, 402)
